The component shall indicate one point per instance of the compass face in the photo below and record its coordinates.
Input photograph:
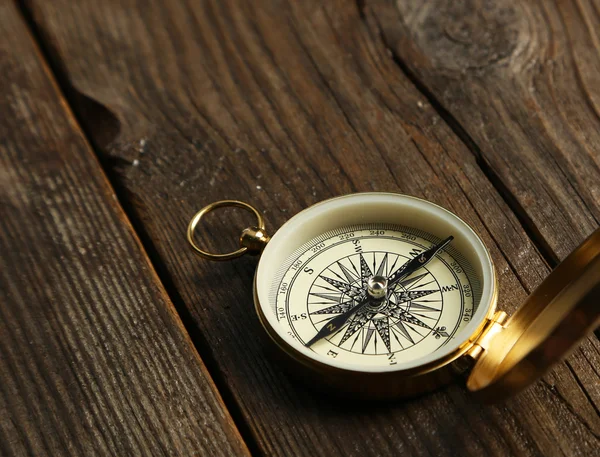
(416, 314)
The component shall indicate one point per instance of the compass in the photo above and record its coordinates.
(383, 295)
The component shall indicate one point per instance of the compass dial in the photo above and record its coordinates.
(331, 274)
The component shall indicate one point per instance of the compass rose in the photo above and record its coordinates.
(407, 314)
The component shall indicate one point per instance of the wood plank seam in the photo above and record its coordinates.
(198, 339)
(57, 73)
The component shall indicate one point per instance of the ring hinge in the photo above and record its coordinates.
(252, 239)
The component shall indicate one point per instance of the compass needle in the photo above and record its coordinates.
(378, 296)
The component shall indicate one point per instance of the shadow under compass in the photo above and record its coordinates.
(362, 401)
(362, 387)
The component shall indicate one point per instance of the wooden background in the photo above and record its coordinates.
(120, 118)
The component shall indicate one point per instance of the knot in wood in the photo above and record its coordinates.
(465, 34)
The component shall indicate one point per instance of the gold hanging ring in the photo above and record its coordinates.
(252, 240)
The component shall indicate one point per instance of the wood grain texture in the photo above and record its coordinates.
(522, 80)
(285, 104)
(93, 358)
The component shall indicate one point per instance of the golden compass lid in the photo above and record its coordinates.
(545, 329)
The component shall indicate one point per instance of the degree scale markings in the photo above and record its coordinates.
(336, 285)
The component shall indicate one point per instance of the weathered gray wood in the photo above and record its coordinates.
(284, 104)
(93, 358)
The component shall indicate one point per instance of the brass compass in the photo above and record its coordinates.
(383, 295)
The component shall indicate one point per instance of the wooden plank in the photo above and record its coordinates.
(93, 358)
(521, 79)
(285, 104)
